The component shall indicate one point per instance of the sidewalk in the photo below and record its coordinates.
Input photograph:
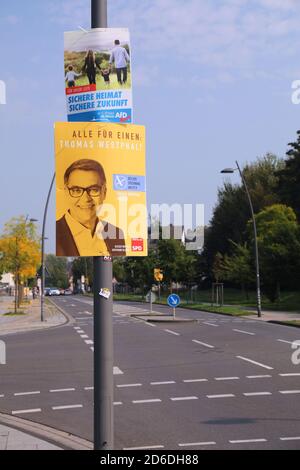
(30, 320)
(20, 434)
(274, 315)
(11, 439)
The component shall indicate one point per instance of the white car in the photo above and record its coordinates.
(54, 291)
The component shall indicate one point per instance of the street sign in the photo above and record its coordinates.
(150, 297)
(158, 274)
(173, 300)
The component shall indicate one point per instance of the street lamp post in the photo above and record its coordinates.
(258, 297)
(103, 325)
(43, 250)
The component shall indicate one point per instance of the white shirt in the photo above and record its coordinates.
(120, 56)
(87, 244)
(70, 76)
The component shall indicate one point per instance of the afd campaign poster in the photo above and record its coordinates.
(98, 75)
(100, 189)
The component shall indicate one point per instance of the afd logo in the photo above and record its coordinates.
(2, 353)
(296, 355)
(2, 92)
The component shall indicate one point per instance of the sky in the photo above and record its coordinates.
(212, 83)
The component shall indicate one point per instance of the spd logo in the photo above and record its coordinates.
(137, 244)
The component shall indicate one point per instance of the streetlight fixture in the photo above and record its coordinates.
(258, 297)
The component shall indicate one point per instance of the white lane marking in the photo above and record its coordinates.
(1, 396)
(80, 331)
(129, 385)
(203, 344)
(210, 324)
(62, 390)
(118, 403)
(284, 341)
(117, 371)
(149, 324)
(33, 410)
(292, 374)
(173, 332)
(245, 332)
(246, 441)
(226, 378)
(296, 438)
(66, 407)
(143, 448)
(89, 341)
(195, 380)
(163, 383)
(186, 444)
(26, 393)
(258, 376)
(92, 348)
(286, 392)
(183, 398)
(256, 394)
(151, 400)
(254, 362)
(224, 395)
(88, 313)
(76, 327)
(84, 336)
(88, 388)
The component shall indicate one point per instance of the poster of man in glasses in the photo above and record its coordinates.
(96, 189)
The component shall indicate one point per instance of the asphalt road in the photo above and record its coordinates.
(219, 383)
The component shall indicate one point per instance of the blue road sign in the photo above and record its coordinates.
(173, 300)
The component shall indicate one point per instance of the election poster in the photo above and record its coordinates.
(100, 189)
(97, 75)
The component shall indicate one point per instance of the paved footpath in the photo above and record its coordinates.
(12, 439)
(31, 319)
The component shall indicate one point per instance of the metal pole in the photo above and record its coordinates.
(103, 327)
(43, 250)
(258, 298)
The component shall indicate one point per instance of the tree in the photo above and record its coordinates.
(20, 249)
(171, 256)
(239, 266)
(231, 213)
(83, 266)
(57, 268)
(279, 248)
(289, 177)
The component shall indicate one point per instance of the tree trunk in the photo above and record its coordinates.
(278, 295)
(16, 291)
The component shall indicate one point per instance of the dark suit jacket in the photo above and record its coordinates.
(66, 246)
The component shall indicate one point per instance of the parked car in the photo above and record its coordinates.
(47, 289)
(68, 292)
(54, 291)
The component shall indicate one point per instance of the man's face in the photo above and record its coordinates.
(83, 207)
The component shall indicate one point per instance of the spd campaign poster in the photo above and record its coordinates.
(100, 189)
(97, 75)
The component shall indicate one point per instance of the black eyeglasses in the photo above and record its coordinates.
(92, 191)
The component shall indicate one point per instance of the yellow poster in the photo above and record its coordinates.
(100, 189)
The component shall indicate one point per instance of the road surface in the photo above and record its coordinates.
(218, 383)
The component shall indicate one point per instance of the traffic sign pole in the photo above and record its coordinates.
(103, 327)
